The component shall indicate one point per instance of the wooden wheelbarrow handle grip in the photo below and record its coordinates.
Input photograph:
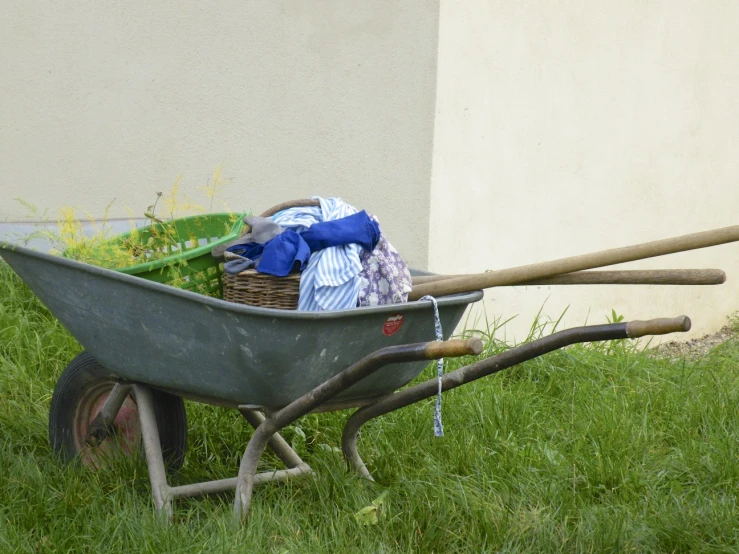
(453, 348)
(662, 326)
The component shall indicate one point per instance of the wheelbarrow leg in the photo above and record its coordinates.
(494, 364)
(278, 445)
(349, 439)
(356, 372)
(153, 450)
(248, 469)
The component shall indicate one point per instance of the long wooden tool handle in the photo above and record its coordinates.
(577, 263)
(631, 277)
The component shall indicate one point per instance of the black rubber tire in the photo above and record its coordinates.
(84, 377)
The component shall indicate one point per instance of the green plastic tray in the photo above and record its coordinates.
(190, 240)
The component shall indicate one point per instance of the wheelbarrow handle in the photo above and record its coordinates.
(661, 326)
(453, 348)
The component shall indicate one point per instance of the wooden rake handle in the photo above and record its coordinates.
(633, 277)
(562, 266)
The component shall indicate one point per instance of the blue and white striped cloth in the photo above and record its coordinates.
(331, 279)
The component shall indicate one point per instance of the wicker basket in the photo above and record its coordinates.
(259, 289)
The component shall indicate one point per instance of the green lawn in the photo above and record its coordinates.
(589, 449)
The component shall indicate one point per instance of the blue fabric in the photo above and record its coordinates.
(280, 255)
(357, 228)
(331, 279)
(249, 250)
(276, 257)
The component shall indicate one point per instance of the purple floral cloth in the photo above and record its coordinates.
(385, 278)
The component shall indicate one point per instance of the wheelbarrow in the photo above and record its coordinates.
(148, 345)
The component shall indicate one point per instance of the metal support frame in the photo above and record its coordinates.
(267, 428)
(327, 390)
(163, 494)
(494, 364)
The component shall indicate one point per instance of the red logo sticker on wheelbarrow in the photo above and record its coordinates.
(392, 324)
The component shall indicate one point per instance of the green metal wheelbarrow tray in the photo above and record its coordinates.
(148, 345)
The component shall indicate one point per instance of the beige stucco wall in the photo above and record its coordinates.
(294, 98)
(560, 128)
(570, 127)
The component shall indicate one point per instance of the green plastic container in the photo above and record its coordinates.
(189, 241)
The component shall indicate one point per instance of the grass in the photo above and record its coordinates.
(589, 449)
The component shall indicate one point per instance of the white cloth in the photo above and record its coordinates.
(331, 279)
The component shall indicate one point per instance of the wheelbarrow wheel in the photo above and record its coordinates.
(80, 394)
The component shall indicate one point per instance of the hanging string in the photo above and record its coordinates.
(438, 425)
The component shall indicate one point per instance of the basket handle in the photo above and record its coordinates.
(303, 202)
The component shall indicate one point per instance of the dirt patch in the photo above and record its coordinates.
(695, 348)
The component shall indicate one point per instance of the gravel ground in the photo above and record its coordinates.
(696, 348)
